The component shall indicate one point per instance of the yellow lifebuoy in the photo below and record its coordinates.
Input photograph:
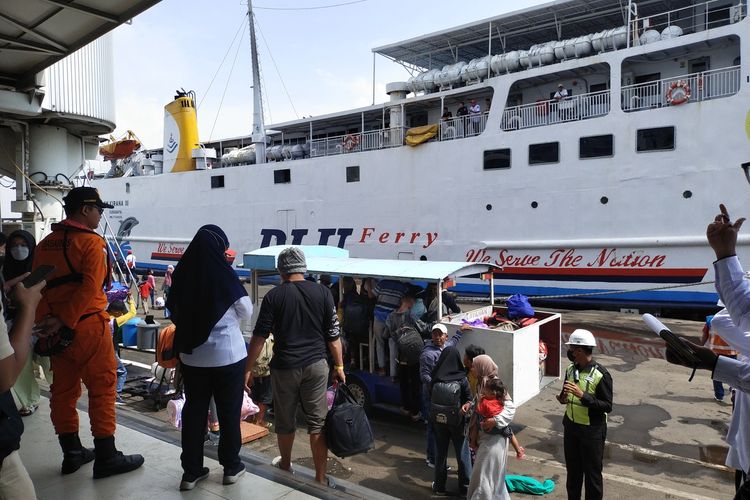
(682, 89)
(351, 142)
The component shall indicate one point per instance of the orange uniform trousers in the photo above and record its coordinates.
(90, 359)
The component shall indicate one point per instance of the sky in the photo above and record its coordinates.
(323, 57)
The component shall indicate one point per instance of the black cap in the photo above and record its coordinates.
(84, 196)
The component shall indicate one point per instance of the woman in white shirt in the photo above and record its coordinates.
(207, 303)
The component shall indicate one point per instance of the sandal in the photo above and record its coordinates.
(276, 462)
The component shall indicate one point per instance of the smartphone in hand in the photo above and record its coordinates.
(37, 275)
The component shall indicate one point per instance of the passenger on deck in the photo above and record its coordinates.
(14, 352)
(561, 94)
(73, 305)
(475, 112)
(305, 329)
(208, 304)
(447, 115)
(462, 114)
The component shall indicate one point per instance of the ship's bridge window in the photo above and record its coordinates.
(495, 159)
(596, 146)
(547, 152)
(655, 139)
(283, 176)
(217, 181)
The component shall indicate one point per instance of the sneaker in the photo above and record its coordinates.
(27, 410)
(331, 482)
(231, 476)
(189, 480)
(431, 465)
(438, 493)
(119, 400)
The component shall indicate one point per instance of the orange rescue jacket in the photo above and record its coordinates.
(87, 255)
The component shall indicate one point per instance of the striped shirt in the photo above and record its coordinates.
(389, 294)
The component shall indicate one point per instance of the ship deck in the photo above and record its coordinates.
(160, 475)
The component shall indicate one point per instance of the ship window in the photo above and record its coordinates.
(595, 146)
(497, 158)
(127, 187)
(217, 181)
(655, 139)
(283, 176)
(547, 152)
(352, 174)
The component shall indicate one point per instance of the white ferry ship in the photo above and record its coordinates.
(605, 186)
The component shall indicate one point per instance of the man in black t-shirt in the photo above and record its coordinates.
(302, 317)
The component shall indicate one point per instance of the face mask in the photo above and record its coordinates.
(20, 253)
(570, 356)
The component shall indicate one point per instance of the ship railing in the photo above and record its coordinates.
(551, 111)
(352, 143)
(462, 126)
(694, 17)
(695, 87)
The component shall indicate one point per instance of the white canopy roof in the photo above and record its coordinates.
(336, 262)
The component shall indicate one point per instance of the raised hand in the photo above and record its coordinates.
(722, 233)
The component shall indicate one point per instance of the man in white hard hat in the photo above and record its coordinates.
(587, 394)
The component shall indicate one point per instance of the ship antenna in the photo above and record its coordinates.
(259, 129)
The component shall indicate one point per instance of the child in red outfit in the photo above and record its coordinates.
(144, 290)
(490, 405)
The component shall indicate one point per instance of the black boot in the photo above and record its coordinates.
(110, 462)
(74, 454)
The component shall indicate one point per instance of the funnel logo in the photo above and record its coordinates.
(171, 144)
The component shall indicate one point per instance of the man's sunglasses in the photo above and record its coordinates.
(100, 209)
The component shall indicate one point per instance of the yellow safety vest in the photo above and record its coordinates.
(587, 381)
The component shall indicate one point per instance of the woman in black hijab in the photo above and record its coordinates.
(19, 254)
(207, 303)
(449, 377)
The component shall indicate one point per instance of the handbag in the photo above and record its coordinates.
(347, 429)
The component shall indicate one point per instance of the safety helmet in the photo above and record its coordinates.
(581, 337)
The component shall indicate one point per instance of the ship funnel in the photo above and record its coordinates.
(180, 133)
(397, 90)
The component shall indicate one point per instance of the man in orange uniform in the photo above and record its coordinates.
(75, 300)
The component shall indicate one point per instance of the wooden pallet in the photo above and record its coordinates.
(251, 432)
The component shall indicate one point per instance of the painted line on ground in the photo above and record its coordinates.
(670, 492)
(645, 451)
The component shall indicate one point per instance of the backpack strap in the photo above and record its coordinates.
(74, 276)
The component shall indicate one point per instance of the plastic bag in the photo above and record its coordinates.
(248, 407)
(174, 411)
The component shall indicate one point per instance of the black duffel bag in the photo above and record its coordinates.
(347, 429)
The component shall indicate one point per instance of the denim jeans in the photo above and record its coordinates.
(122, 374)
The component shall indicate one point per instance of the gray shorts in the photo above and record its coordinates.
(306, 386)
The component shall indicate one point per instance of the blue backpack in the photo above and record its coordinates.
(519, 307)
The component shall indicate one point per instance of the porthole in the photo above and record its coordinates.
(488, 207)
(604, 200)
(687, 194)
(534, 204)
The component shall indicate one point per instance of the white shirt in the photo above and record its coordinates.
(225, 344)
(130, 260)
(733, 325)
(561, 94)
(475, 109)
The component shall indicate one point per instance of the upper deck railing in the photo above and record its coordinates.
(549, 112)
(693, 87)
